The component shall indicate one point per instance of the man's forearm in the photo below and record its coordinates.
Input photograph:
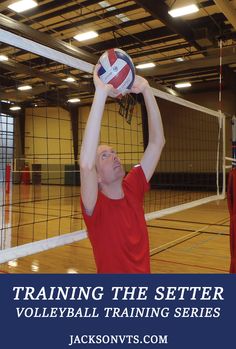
(155, 127)
(92, 131)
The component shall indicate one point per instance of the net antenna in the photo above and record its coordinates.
(191, 164)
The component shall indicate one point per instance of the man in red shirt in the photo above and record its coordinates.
(112, 204)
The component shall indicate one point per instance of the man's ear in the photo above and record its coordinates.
(99, 183)
(99, 179)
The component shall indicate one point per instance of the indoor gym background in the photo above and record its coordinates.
(44, 196)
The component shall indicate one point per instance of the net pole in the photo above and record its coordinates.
(220, 118)
(224, 155)
(218, 155)
(220, 75)
(233, 126)
(222, 125)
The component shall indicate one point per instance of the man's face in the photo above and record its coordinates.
(108, 165)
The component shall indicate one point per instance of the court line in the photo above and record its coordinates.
(42, 207)
(32, 213)
(174, 243)
(180, 240)
(192, 265)
(224, 220)
(76, 195)
(184, 229)
(41, 221)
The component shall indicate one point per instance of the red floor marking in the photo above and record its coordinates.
(4, 272)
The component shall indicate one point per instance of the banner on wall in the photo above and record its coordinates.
(120, 311)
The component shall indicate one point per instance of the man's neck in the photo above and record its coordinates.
(113, 191)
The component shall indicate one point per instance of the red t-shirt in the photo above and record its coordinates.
(117, 228)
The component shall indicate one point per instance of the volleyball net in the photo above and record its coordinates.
(41, 208)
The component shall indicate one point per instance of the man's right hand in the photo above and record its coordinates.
(108, 89)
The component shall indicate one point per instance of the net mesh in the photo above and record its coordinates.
(43, 202)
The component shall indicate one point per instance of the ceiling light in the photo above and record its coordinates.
(122, 17)
(5, 101)
(183, 11)
(104, 4)
(16, 107)
(107, 6)
(23, 5)
(179, 59)
(69, 79)
(24, 88)
(145, 65)
(87, 76)
(111, 8)
(183, 85)
(73, 100)
(86, 36)
(3, 58)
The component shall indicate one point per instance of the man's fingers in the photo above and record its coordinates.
(97, 66)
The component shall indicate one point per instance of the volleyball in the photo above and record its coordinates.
(117, 69)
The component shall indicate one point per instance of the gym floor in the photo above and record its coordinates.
(192, 241)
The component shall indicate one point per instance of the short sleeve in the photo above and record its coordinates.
(136, 182)
(90, 221)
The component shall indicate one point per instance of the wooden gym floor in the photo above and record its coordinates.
(193, 241)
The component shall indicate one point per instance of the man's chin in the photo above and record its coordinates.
(119, 170)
